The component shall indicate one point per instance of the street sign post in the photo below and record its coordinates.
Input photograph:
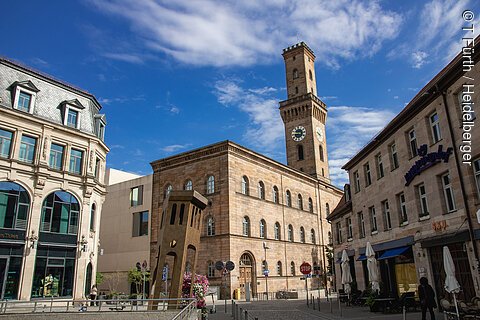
(165, 278)
(306, 268)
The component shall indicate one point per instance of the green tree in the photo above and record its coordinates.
(136, 277)
(99, 278)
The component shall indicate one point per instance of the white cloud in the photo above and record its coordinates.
(418, 59)
(225, 33)
(174, 147)
(265, 130)
(349, 129)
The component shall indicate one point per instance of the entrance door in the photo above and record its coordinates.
(53, 282)
(3, 275)
(246, 274)
(462, 271)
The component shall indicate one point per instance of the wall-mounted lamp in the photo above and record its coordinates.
(33, 238)
(84, 244)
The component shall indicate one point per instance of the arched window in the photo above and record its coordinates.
(210, 226)
(275, 195)
(246, 260)
(188, 185)
(188, 267)
(92, 217)
(279, 268)
(330, 239)
(277, 231)
(310, 75)
(14, 206)
(289, 199)
(60, 213)
(263, 230)
(211, 269)
(210, 184)
(290, 233)
(245, 185)
(295, 73)
(302, 234)
(261, 190)
(168, 189)
(292, 268)
(246, 226)
(310, 205)
(327, 210)
(321, 153)
(173, 214)
(300, 152)
(312, 236)
(300, 201)
(264, 266)
(88, 279)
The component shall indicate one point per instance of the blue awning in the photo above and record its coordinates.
(391, 253)
(362, 257)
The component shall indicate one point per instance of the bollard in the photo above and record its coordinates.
(313, 301)
(331, 310)
(233, 311)
(339, 305)
(404, 312)
(35, 307)
(318, 303)
(51, 304)
(233, 304)
(246, 315)
(241, 314)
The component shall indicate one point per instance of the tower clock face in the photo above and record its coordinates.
(298, 133)
(319, 132)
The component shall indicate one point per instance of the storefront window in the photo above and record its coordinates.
(14, 206)
(60, 213)
(10, 266)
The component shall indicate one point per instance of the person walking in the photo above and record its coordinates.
(427, 298)
(93, 295)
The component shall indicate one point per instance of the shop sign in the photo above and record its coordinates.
(439, 225)
(12, 235)
(426, 161)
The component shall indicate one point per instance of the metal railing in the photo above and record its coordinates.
(187, 311)
(102, 305)
(240, 313)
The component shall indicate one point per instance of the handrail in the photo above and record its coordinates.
(187, 311)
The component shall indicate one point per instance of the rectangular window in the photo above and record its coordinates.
(361, 225)
(101, 131)
(136, 196)
(435, 126)
(373, 219)
(368, 177)
(448, 193)
(76, 159)
(24, 101)
(72, 118)
(5, 143)
(394, 156)
(380, 172)
(356, 177)
(423, 200)
(413, 143)
(27, 149)
(338, 232)
(97, 168)
(140, 224)
(402, 205)
(349, 228)
(387, 219)
(56, 156)
(476, 170)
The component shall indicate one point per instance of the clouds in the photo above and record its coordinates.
(175, 148)
(243, 33)
(265, 128)
(349, 129)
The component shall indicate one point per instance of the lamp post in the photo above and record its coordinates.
(265, 247)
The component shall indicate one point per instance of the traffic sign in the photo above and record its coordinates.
(229, 265)
(265, 272)
(219, 265)
(165, 273)
(305, 268)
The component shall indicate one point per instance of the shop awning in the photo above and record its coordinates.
(362, 257)
(391, 253)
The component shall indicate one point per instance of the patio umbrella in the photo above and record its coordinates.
(451, 283)
(372, 267)
(346, 275)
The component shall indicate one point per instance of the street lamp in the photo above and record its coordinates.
(265, 247)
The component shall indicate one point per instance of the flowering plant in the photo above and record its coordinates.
(199, 288)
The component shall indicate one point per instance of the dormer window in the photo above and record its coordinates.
(100, 123)
(71, 113)
(24, 94)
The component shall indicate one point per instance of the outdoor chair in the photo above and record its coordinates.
(407, 300)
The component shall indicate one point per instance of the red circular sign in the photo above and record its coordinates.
(305, 268)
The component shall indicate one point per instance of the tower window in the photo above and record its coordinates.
(300, 152)
(295, 73)
(322, 158)
(296, 90)
(310, 74)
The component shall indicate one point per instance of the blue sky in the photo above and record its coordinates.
(176, 75)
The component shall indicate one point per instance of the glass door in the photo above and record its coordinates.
(3, 274)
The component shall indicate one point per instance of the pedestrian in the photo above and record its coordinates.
(427, 298)
(93, 295)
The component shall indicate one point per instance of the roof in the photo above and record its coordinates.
(424, 97)
(20, 66)
(342, 208)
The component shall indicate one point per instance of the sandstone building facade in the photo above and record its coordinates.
(416, 188)
(52, 162)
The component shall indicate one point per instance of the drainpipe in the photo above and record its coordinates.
(460, 176)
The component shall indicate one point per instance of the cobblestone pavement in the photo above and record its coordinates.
(298, 310)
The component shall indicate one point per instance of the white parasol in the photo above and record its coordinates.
(451, 283)
(346, 275)
(372, 267)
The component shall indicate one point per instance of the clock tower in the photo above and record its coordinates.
(304, 114)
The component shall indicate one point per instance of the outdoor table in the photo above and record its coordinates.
(384, 303)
